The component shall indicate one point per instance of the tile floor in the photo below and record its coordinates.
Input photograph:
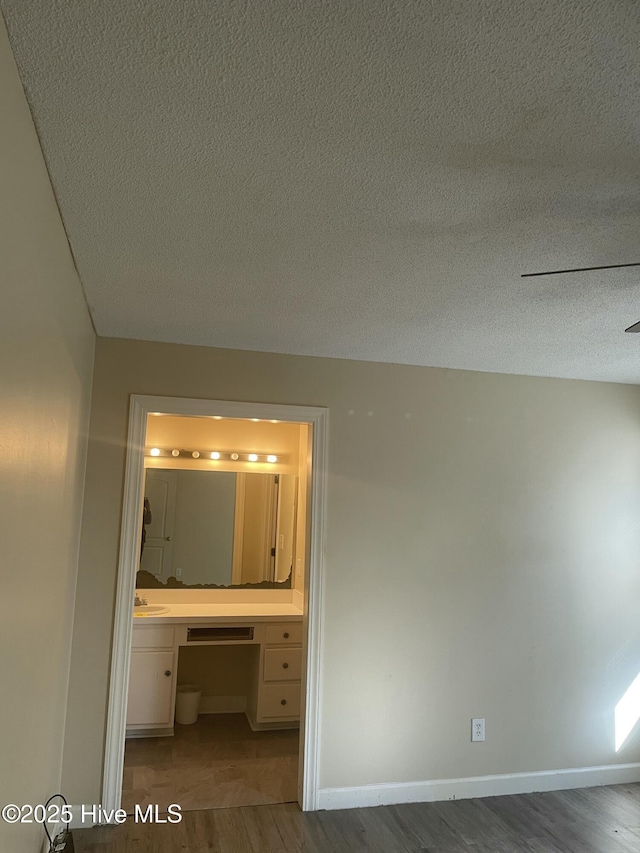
(217, 762)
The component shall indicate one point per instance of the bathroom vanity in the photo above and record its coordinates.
(273, 630)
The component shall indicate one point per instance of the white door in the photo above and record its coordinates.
(160, 491)
(285, 526)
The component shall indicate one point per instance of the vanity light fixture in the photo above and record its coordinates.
(215, 455)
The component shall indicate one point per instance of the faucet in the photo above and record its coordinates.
(139, 602)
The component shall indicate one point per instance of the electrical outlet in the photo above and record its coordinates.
(178, 573)
(477, 729)
(63, 843)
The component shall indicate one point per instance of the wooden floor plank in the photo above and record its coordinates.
(266, 833)
(592, 820)
(384, 831)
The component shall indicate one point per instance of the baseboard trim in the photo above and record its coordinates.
(135, 733)
(80, 820)
(223, 705)
(390, 794)
(55, 829)
(271, 727)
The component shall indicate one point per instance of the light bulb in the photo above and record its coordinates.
(217, 417)
(175, 452)
(255, 420)
(253, 457)
(234, 456)
(196, 454)
(272, 458)
(215, 455)
(155, 451)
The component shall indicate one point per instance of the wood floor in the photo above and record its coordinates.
(590, 820)
(215, 763)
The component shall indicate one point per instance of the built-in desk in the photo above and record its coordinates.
(274, 629)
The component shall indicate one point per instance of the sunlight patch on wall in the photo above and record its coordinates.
(627, 712)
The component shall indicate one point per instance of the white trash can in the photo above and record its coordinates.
(187, 703)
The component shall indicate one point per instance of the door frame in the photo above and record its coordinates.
(140, 407)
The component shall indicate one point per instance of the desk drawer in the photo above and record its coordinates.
(280, 700)
(152, 637)
(289, 634)
(282, 664)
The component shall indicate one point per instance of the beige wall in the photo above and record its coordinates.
(46, 355)
(482, 559)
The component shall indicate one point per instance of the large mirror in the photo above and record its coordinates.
(217, 529)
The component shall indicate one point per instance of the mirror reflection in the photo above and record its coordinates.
(217, 528)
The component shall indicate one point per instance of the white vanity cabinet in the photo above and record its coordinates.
(152, 680)
(275, 699)
(275, 687)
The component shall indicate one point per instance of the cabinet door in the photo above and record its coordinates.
(151, 689)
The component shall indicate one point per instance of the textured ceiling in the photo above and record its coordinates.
(359, 179)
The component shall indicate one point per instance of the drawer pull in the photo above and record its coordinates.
(283, 701)
(286, 635)
(167, 672)
(285, 666)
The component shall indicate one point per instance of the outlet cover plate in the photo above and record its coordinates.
(477, 729)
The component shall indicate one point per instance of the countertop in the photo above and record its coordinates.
(191, 613)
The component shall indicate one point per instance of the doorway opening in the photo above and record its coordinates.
(233, 616)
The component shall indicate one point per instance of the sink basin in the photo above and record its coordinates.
(149, 610)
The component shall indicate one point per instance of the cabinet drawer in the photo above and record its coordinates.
(289, 634)
(152, 637)
(272, 698)
(282, 664)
